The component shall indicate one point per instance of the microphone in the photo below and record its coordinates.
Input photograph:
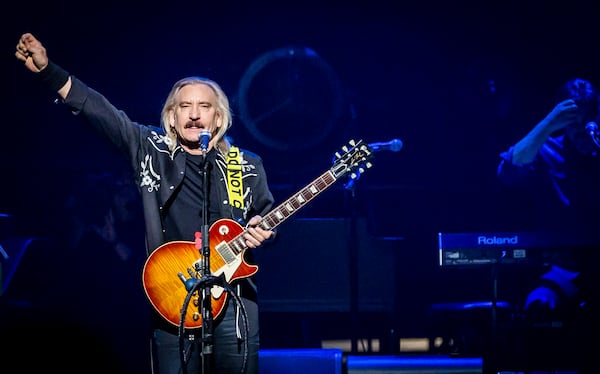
(592, 129)
(204, 138)
(393, 145)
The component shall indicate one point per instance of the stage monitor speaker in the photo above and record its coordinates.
(300, 361)
(309, 268)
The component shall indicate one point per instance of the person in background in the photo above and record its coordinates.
(103, 243)
(556, 165)
(169, 164)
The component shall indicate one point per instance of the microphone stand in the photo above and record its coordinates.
(353, 265)
(206, 280)
(205, 283)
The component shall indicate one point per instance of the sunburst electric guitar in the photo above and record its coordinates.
(163, 271)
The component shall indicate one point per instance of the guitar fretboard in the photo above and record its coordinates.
(353, 158)
(294, 203)
(286, 209)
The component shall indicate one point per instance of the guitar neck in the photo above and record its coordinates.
(352, 159)
(286, 209)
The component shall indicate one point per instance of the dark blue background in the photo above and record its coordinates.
(457, 82)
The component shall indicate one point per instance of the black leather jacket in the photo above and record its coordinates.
(160, 171)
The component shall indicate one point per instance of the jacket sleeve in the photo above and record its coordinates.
(549, 162)
(513, 174)
(109, 121)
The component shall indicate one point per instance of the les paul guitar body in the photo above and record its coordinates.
(168, 269)
(165, 288)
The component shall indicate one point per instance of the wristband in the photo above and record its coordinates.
(53, 76)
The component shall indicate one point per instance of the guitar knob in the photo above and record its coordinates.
(223, 230)
(196, 301)
(196, 316)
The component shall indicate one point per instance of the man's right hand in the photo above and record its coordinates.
(31, 52)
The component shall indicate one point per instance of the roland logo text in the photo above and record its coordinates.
(494, 240)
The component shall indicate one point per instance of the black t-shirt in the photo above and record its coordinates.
(184, 215)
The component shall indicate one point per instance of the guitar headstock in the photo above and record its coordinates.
(354, 159)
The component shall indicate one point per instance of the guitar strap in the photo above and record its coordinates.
(235, 187)
(235, 190)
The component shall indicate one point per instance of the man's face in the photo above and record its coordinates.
(196, 110)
